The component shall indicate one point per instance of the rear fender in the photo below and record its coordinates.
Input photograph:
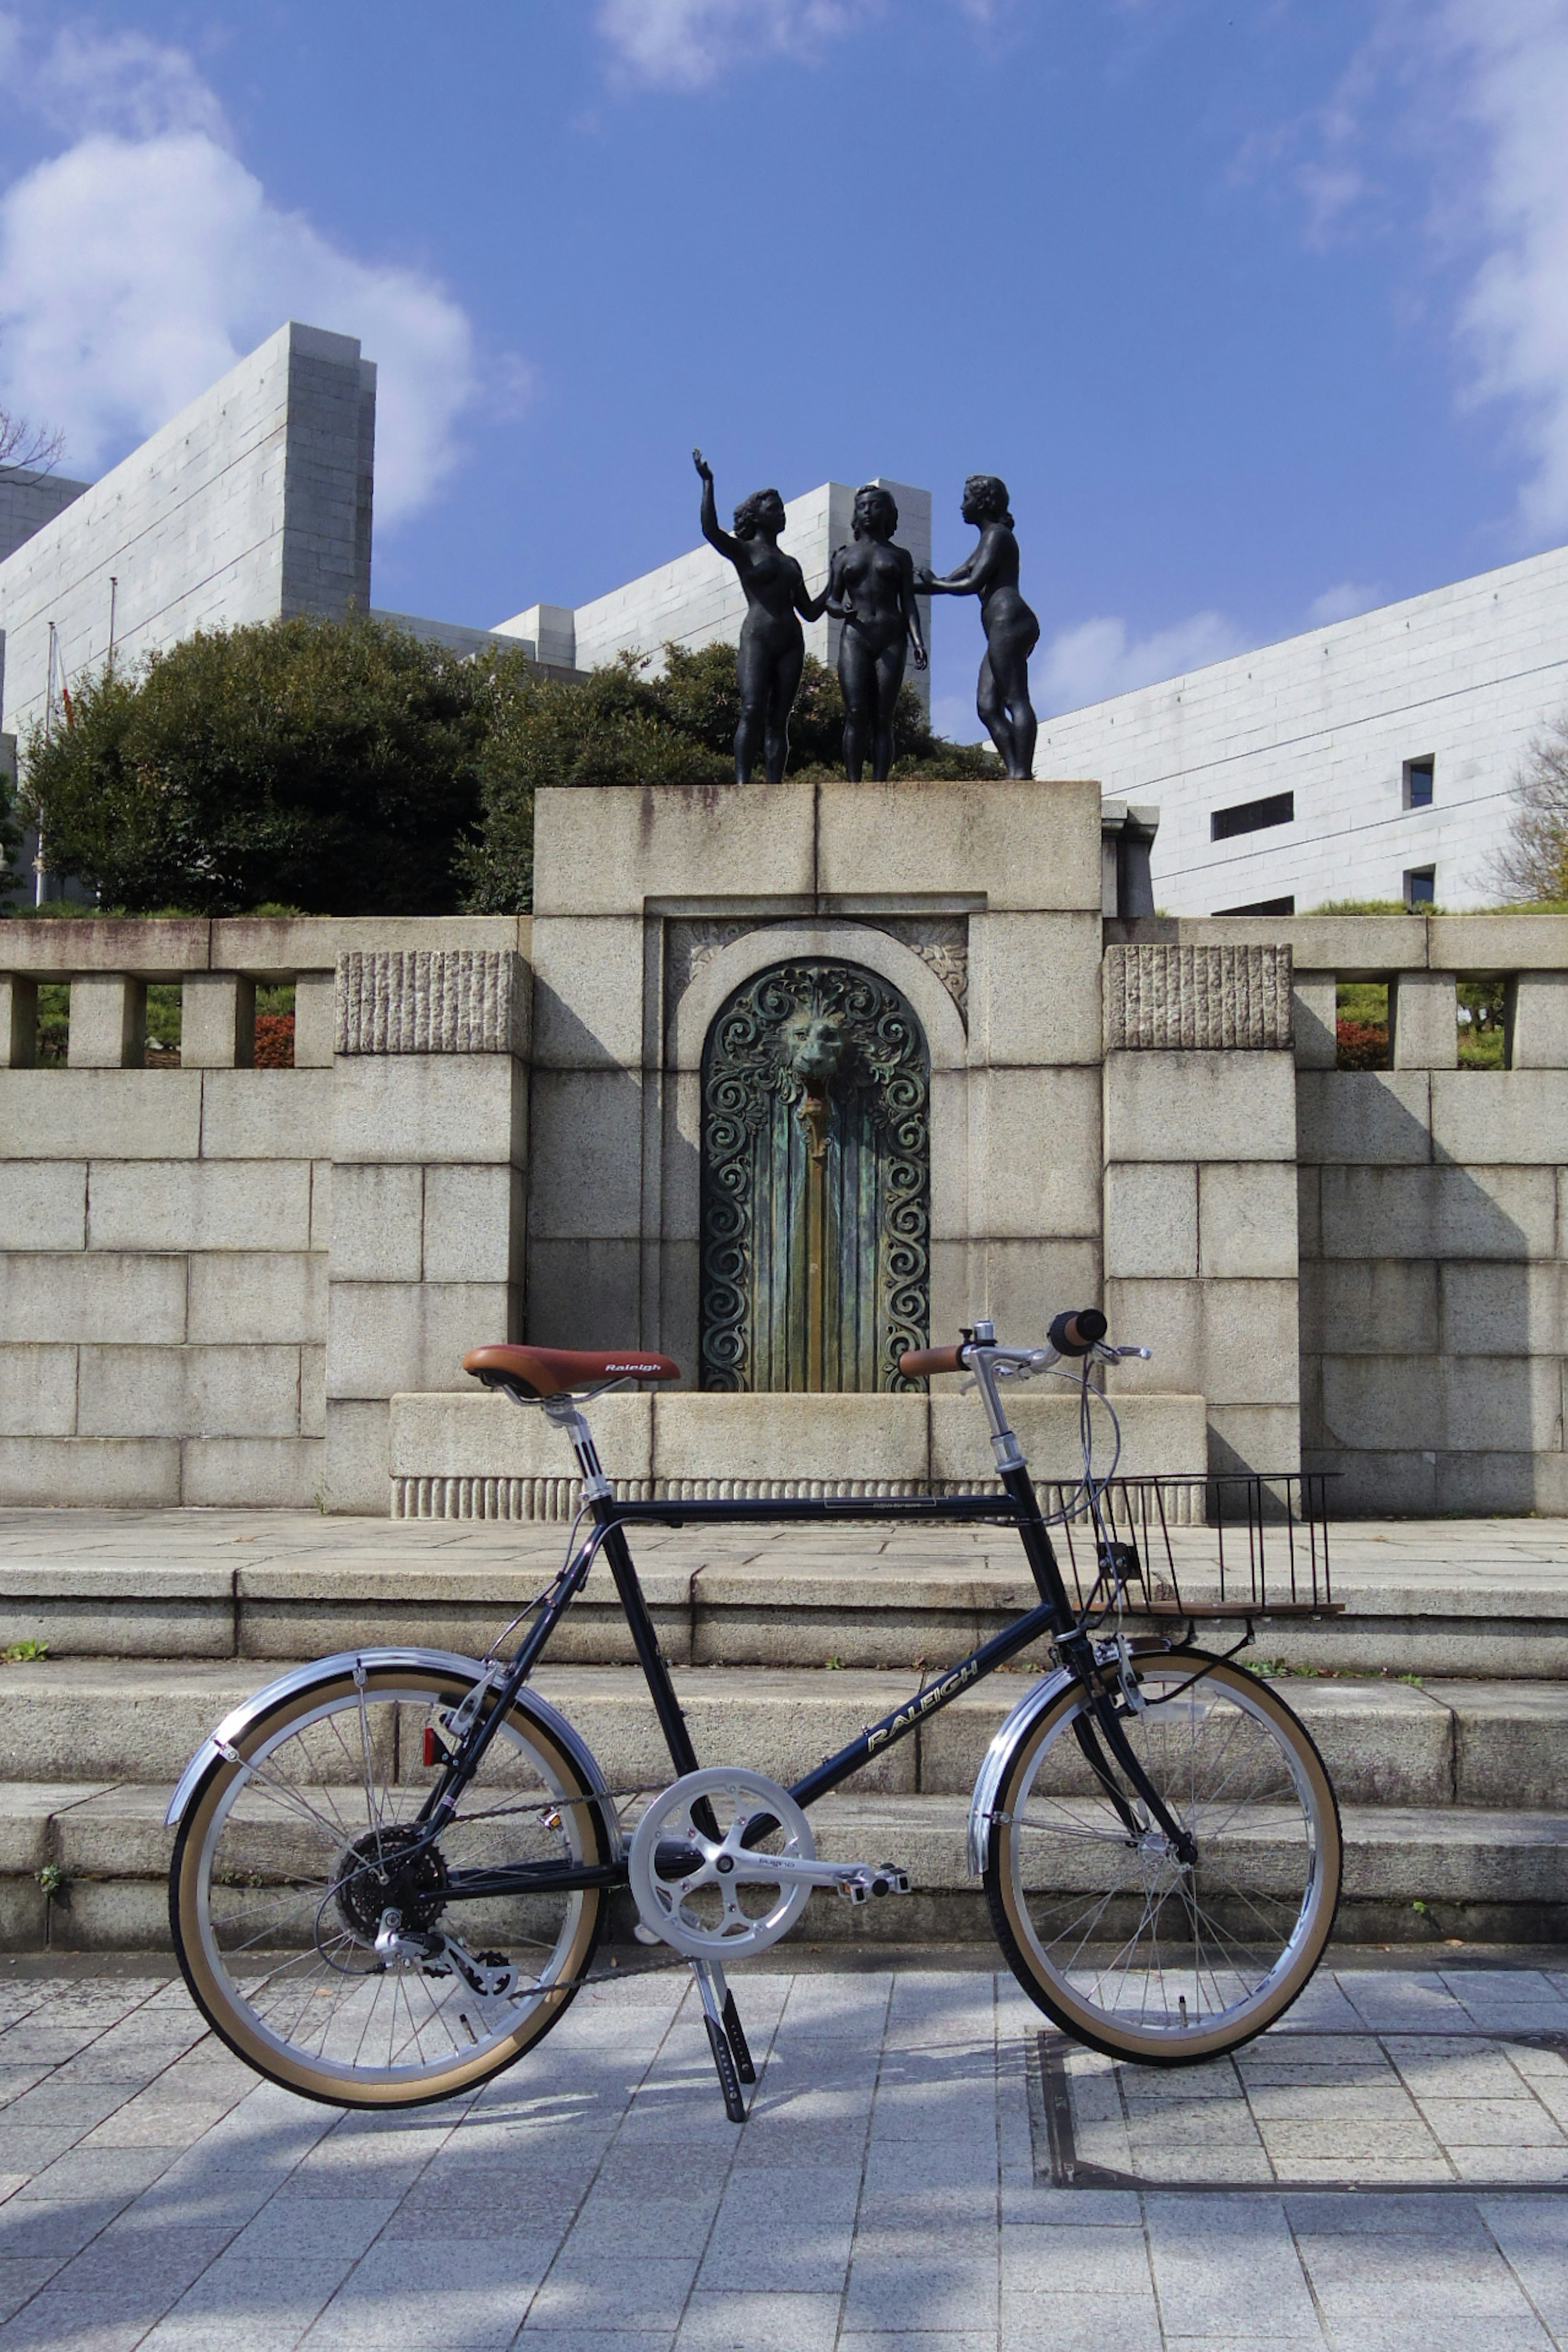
(300, 1678)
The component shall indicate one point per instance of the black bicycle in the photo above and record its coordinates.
(393, 1866)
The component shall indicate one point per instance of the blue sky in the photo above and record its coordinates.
(1261, 309)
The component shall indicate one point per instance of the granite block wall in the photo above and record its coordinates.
(185, 1316)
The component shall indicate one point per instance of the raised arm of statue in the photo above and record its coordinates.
(712, 531)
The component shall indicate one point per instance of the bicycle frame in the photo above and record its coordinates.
(1017, 1506)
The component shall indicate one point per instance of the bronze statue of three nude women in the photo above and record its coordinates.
(872, 585)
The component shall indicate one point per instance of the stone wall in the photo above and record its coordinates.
(254, 501)
(1464, 675)
(1432, 1221)
(185, 1316)
(220, 1284)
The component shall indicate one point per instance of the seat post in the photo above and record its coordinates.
(566, 1414)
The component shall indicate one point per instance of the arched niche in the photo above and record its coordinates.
(815, 1179)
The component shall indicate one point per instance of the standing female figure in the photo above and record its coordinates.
(871, 589)
(772, 644)
(1012, 632)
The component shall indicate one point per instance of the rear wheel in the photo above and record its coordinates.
(1120, 1941)
(290, 1857)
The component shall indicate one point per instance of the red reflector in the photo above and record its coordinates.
(430, 1745)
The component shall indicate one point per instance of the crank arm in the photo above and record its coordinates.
(855, 1879)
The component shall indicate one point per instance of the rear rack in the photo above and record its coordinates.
(1246, 1545)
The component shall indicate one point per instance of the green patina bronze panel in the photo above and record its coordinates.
(816, 1182)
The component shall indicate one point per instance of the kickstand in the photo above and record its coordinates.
(732, 2058)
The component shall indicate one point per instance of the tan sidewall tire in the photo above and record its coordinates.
(234, 2026)
(1091, 2025)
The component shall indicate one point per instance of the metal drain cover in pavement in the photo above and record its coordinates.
(1303, 2110)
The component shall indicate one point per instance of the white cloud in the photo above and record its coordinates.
(1342, 603)
(123, 83)
(1097, 658)
(143, 261)
(1471, 96)
(1514, 317)
(688, 43)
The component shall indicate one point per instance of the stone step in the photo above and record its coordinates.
(273, 1587)
(1465, 1743)
(1412, 1874)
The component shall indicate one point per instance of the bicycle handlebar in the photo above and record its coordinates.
(916, 1363)
(1073, 1333)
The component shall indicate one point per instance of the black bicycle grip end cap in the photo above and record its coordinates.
(1074, 1334)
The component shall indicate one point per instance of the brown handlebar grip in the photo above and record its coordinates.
(915, 1363)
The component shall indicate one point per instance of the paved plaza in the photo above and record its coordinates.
(892, 2192)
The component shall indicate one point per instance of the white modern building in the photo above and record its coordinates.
(1372, 759)
(697, 600)
(253, 502)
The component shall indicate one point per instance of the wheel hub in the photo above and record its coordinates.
(380, 1872)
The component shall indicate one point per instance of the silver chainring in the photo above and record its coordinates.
(712, 1898)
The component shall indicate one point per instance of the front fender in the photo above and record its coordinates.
(299, 1679)
(981, 1804)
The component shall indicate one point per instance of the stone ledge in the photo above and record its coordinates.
(462, 1456)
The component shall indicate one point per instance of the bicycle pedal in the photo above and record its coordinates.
(866, 1880)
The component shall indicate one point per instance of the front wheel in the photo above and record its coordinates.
(1123, 1944)
(290, 1857)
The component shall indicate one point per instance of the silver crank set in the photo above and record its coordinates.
(723, 1862)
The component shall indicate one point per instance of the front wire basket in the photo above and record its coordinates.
(1242, 1545)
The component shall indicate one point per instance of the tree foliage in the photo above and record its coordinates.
(626, 725)
(347, 768)
(1533, 862)
(332, 766)
(11, 877)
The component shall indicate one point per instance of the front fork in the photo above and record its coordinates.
(1077, 1654)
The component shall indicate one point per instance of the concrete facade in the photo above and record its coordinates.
(1461, 678)
(697, 600)
(255, 501)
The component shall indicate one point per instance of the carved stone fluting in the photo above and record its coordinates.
(455, 1001)
(1170, 999)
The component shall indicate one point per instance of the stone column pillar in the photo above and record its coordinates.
(217, 1021)
(429, 1142)
(1423, 1015)
(1201, 1250)
(108, 1021)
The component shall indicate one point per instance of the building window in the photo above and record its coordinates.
(1418, 783)
(1262, 906)
(1420, 887)
(1251, 817)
